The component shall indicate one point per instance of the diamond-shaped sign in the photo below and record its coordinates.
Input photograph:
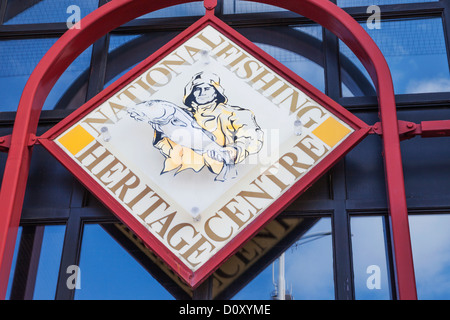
(202, 144)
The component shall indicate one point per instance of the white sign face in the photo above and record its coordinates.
(201, 143)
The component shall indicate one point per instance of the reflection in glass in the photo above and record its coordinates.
(370, 267)
(69, 92)
(415, 51)
(49, 263)
(13, 264)
(181, 10)
(38, 250)
(109, 272)
(45, 11)
(366, 3)
(308, 269)
(118, 40)
(126, 51)
(282, 43)
(430, 241)
(18, 58)
(115, 43)
(238, 6)
(305, 68)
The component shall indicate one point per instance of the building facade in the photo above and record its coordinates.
(333, 242)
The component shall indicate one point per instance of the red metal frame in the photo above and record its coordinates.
(195, 278)
(116, 13)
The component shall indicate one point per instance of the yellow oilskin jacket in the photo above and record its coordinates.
(231, 126)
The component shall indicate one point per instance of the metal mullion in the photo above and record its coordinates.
(72, 241)
(342, 252)
(97, 70)
(99, 57)
(235, 20)
(47, 117)
(218, 11)
(395, 11)
(70, 253)
(41, 30)
(27, 263)
(204, 290)
(44, 215)
(446, 26)
(308, 207)
(342, 262)
(390, 257)
(366, 206)
(403, 101)
(3, 5)
(376, 207)
(286, 18)
(307, 213)
(156, 24)
(331, 64)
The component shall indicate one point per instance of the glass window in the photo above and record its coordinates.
(117, 44)
(364, 168)
(69, 92)
(13, 264)
(238, 6)
(18, 58)
(370, 266)
(127, 50)
(426, 162)
(308, 269)
(181, 10)
(357, 3)
(26, 12)
(416, 54)
(50, 185)
(49, 263)
(430, 241)
(297, 48)
(107, 271)
(49, 247)
(118, 40)
(302, 66)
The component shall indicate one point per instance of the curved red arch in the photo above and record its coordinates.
(354, 36)
(118, 12)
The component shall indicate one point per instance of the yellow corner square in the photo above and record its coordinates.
(331, 131)
(76, 139)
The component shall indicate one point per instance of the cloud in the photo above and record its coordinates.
(429, 239)
(428, 85)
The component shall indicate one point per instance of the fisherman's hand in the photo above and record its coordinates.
(232, 153)
(226, 154)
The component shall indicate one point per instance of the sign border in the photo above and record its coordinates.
(195, 278)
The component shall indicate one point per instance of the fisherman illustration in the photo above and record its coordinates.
(205, 132)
